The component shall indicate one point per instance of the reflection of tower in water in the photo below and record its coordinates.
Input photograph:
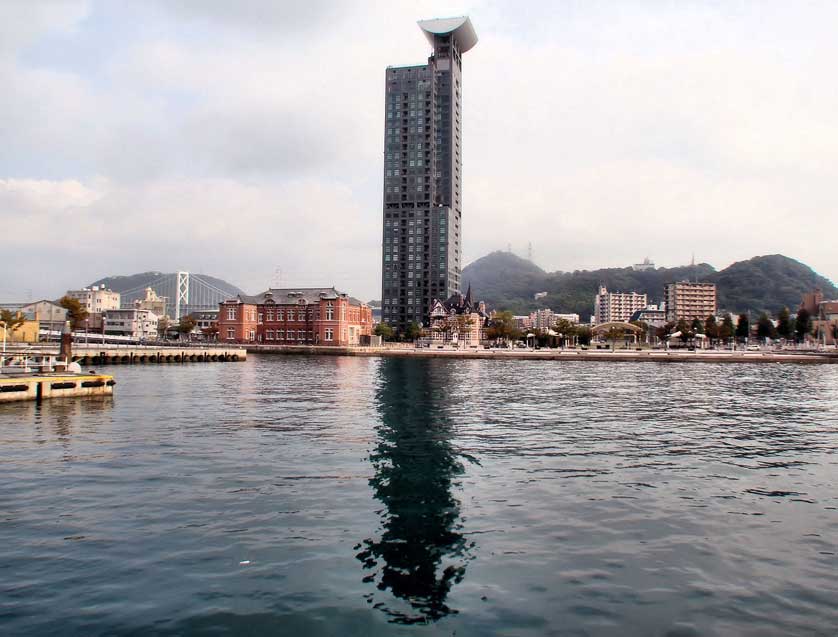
(421, 551)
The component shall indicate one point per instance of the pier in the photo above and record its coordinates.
(16, 387)
(110, 354)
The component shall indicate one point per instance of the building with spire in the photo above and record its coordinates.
(459, 318)
(422, 224)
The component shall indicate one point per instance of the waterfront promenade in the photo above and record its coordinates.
(645, 355)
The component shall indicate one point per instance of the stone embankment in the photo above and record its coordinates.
(654, 356)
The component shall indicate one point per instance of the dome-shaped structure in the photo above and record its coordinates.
(460, 29)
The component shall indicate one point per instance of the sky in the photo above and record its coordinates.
(244, 139)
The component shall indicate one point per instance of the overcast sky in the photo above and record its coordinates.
(238, 138)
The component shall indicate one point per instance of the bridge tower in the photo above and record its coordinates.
(182, 294)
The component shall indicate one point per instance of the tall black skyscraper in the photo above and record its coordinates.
(423, 177)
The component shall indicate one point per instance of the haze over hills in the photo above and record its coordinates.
(764, 283)
(201, 286)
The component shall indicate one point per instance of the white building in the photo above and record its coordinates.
(96, 299)
(131, 322)
(572, 318)
(616, 306)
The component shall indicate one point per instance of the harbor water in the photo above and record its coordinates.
(370, 496)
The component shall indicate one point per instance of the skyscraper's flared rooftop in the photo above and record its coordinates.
(460, 29)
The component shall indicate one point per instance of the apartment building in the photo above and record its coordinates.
(96, 299)
(690, 300)
(616, 306)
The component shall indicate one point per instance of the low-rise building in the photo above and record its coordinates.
(458, 319)
(652, 315)
(826, 322)
(690, 300)
(28, 331)
(49, 314)
(140, 324)
(571, 318)
(616, 306)
(297, 316)
(152, 302)
(647, 264)
(96, 298)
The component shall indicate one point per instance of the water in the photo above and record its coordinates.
(346, 496)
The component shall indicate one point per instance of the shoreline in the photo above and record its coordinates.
(646, 356)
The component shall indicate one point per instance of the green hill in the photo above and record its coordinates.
(506, 281)
(767, 283)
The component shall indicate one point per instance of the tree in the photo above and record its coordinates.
(665, 330)
(76, 312)
(696, 326)
(743, 326)
(384, 331)
(210, 332)
(834, 329)
(163, 326)
(412, 331)
(711, 328)
(727, 330)
(682, 327)
(785, 329)
(583, 335)
(503, 327)
(464, 324)
(565, 329)
(765, 328)
(186, 324)
(11, 321)
(615, 334)
(802, 324)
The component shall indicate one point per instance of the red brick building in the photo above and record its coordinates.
(299, 316)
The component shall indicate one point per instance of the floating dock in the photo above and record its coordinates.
(15, 387)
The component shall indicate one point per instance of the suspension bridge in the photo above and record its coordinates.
(184, 293)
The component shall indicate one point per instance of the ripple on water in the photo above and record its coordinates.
(323, 496)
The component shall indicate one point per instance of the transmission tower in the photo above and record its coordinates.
(182, 294)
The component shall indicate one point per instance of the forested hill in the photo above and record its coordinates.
(506, 281)
(768, 283)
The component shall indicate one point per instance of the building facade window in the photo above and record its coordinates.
(231, 313)
(231, 333)
(330, 334)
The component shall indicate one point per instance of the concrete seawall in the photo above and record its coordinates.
(16, 387)
(647, 356)
(110, 355)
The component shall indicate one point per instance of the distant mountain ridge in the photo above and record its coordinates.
(204, 290)
(763, 283)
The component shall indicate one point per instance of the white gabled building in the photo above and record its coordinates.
(616, 306)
